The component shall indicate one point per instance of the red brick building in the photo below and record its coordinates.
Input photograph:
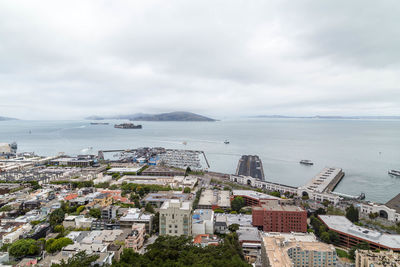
(275, 217)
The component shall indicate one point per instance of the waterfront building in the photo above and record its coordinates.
(275, 217)
(212, 199)
(385, 258)
(389, 211)
(296, 250)
(176, 218)
(351, 234)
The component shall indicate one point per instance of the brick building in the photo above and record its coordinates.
(277, 217)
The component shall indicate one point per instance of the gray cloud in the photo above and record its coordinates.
(69, 59)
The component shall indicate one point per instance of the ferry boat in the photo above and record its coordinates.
(306, 162)
(99, 123)
(394, 173)
(128, 126)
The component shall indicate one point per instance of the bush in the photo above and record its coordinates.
(53, 245)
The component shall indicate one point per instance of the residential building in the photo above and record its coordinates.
(176, 218)
(351, 234)
(212, 199)
(134, 216)
(223, 221)
(157, 199)
(135, 239)
(108, 213)
(202, 222)
(275, 217)
(384, 258)
(296, 250)
(204, 240)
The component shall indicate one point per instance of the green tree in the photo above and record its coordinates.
(24, 247)
(59, 228)
(352, 214)
(237, 203)
(80, 259)
(333, 237)
(57, 217)
(275, 194)
(186, 190)
(80, 209)
(58, 244)
(95, 213)
(149, 208)
(233, 227)
(325, 237)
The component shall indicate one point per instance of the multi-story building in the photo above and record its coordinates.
(133, 216)
(176, 218)
(212, 199)
(109, 212)
(157, 199)
(135, 239)
(253, 198)
(385, 258)
(350, 234)
(203, 222)
(278, 217)
(296, 250)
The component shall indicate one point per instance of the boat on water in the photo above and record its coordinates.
(226, 142)
(99, 123)
(394, 173)
(128, 126)
(306, 162)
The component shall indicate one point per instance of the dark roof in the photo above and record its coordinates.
(394, 203)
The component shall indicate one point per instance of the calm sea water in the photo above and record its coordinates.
(365, 149)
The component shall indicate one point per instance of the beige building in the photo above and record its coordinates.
(135, 239)
(176, 218)
(296, 250)
(366, 258)
(211, 199)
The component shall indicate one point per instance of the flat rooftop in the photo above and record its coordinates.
(342, 224)
(253, 194)
(321, 181)
(124, 170)
(219, 198)
(274, 206)
(278, 244)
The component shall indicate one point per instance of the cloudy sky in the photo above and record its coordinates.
(70, 59)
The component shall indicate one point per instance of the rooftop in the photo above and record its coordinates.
(215, 198)
(253, 194)
(394, 203)
(342, 224)
(274, 206)
(321, 181)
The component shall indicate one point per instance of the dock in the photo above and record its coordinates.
(250, 165)
(325, 181)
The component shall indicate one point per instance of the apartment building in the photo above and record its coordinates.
(176, 218)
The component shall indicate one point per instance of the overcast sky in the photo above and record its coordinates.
(70, 59)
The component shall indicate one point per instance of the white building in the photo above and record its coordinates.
(203, 222)
(176, 218)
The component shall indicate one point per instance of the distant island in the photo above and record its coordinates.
(327, 117)
(171, 116)
(7, 119)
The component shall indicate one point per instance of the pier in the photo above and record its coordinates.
(251, 166)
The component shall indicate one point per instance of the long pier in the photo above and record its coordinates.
(250, 165)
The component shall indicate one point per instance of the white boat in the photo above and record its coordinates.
(394, 173)
(306, 162)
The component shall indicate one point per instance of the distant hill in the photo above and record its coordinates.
(171, 116)
(328, 117)
(7, 119)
